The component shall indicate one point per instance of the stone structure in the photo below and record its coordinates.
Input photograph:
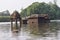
(38, 22)
(15, 17)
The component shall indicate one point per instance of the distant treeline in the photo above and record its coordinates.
(42, 8)
(4, 18)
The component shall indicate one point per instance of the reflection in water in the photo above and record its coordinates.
(15, 36)
(6, 34)
(39, 29)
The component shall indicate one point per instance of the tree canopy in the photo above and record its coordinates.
(42, 8)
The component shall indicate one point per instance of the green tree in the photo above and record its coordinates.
(42, 8)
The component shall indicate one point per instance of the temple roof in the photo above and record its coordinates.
(15, 14)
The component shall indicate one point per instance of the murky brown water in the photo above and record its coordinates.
(6, 34)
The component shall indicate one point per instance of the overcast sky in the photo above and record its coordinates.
(12, 5)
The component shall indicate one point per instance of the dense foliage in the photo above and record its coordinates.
(42, 8)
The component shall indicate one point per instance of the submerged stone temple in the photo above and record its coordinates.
(38, 22)
(15, 18)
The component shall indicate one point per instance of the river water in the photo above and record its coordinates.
(6, 34)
